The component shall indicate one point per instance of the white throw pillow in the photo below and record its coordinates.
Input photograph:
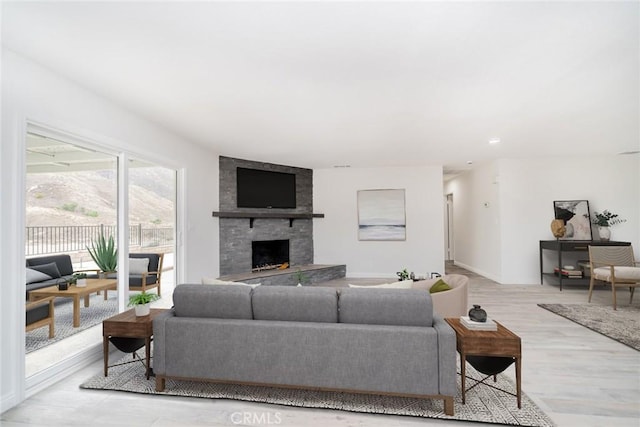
(404, 284)
(138, 265)
(212, 281)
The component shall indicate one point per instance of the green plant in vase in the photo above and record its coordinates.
(605, 220)
(301, 277)
(141, 302)
(403, 275)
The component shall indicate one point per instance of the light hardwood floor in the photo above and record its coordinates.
(577, 376)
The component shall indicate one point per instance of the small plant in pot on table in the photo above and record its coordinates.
(141, 302)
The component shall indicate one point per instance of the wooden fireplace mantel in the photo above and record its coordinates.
(267, 215)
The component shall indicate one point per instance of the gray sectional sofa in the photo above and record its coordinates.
(378, 341)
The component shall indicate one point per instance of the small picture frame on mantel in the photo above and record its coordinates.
(576, 217)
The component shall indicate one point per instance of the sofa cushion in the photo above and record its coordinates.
(138, 265)
(216, 301)
(295, 304)
(50, 269)
(154, 260)
(37, 313)
(404, 284)
(135, 280)
(63, 263)
(34, 276)
(212, 281)
(621, 273)
(400, 307)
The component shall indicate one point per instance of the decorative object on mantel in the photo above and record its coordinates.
(558, 228)
(477, 314)
(575, 215)
(605, 220)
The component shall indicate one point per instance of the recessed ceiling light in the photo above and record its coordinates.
(469, 162)
(494, 141)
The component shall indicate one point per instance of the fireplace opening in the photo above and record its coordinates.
(269, 254)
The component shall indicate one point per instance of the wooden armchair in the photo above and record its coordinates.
(40, 313)
(149, 278)
(616, 266)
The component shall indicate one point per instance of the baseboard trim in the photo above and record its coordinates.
(477, 271)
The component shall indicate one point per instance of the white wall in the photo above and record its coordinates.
(336, 235)
(31, 93)
(525, 190)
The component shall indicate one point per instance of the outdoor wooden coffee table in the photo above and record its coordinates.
(128, 325)
(500, 343)
(75, 292)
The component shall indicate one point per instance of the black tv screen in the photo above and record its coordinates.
(265, 189)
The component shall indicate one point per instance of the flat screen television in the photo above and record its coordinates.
(265, 189)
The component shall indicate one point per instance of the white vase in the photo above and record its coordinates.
(604, 233)
(81, 283)
(142, 309)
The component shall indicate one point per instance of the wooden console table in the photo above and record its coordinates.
(562, 246)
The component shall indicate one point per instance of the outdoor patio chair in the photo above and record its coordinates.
(616, 266)
(141, 278)
(40, 313)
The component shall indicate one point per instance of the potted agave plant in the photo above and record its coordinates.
(142, 302)
(104, 253)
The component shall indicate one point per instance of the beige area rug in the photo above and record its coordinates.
(622, 325)
(484, 404)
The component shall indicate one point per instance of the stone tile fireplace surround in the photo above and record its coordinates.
(237, 234)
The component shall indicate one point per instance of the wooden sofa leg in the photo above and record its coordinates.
(448, 406)
(160, 384)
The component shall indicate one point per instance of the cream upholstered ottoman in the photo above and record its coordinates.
(452, 302)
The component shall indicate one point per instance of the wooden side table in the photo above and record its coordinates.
(128, 325)
(500, 343)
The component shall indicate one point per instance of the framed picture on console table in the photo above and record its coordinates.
(576, 216)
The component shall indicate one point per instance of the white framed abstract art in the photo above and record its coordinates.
(381, 215)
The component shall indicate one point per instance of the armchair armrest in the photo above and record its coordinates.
(36, 303)
(87, 270)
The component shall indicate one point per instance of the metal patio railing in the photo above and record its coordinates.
(41, 240)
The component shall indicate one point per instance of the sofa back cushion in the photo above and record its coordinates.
(295, 304)
(215, 301)
(154, 260)
(398, 307)
(63, 263)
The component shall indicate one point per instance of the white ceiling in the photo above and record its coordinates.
(317, 84)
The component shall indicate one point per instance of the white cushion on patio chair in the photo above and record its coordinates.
(620, 272)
